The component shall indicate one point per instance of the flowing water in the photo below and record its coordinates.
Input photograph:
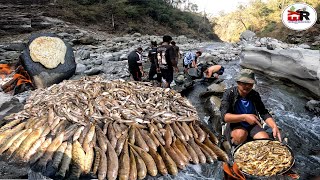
(287, 102)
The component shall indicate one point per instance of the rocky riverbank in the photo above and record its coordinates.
(100, 53)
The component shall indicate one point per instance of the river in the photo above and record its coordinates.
(287, 102)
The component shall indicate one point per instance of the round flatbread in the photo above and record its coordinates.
(49, 51)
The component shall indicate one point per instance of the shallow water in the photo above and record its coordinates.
(287, 102)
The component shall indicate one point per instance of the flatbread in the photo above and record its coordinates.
(49, 51)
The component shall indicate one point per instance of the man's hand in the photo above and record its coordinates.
(158, 70)
(276, 133)
(251, 119)
(142, 73)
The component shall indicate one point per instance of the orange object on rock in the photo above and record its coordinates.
(232, 172)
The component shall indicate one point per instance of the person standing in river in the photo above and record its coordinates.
(165, 57)
(177, 54)
(135, 64)
(240, 108)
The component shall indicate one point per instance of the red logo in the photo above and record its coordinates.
(298, 15)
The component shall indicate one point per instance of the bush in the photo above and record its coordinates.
(164, 19)
(132, 12)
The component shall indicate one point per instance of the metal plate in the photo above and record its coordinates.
(279, 173)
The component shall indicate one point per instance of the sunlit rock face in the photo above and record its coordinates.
(301, 66)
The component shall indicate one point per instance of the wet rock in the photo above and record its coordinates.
(214, 105)
(11, 171)
(42, 76)
(218, 88)
(300, 66)
(313, 106)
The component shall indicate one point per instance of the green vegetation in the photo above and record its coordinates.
(261, 17)
(143, 16)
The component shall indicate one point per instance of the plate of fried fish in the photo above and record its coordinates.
(263, 157)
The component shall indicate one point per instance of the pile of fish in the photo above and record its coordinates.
(263, 158)
(109, 129)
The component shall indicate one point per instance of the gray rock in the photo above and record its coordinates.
(82, 54)
(263, 41)
(247, 35)
(123, 57)
(219, 88)
(136, 35)
(120, 39)
(300, 66)
(132, 43)
(64, 35)
(88, 40)
(97, 62)
(80, 68)
(313, 106)
(11, 54)
(214, 105)
(304, 46)
(317, 43)
(8, 105)
(93, 71)
(271, 46)
(53, 21)
(107, 57)
(14, 47)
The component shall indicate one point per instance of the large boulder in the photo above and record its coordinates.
(301, 66)
(247, 35)
(45, 71)
(313, 106)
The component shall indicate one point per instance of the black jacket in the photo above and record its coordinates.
(152, 55)
(134, 61)
(231, 96)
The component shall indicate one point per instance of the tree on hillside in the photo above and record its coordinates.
(262, 17)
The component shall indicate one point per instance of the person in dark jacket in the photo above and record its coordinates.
(240, 108)
(177, 56)
(165, 57)
(152, 56)
(135, 64)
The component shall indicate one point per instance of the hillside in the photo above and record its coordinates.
(157, 17)
(264, 18)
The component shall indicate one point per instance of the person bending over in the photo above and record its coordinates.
(190, 60)
(212, 71)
